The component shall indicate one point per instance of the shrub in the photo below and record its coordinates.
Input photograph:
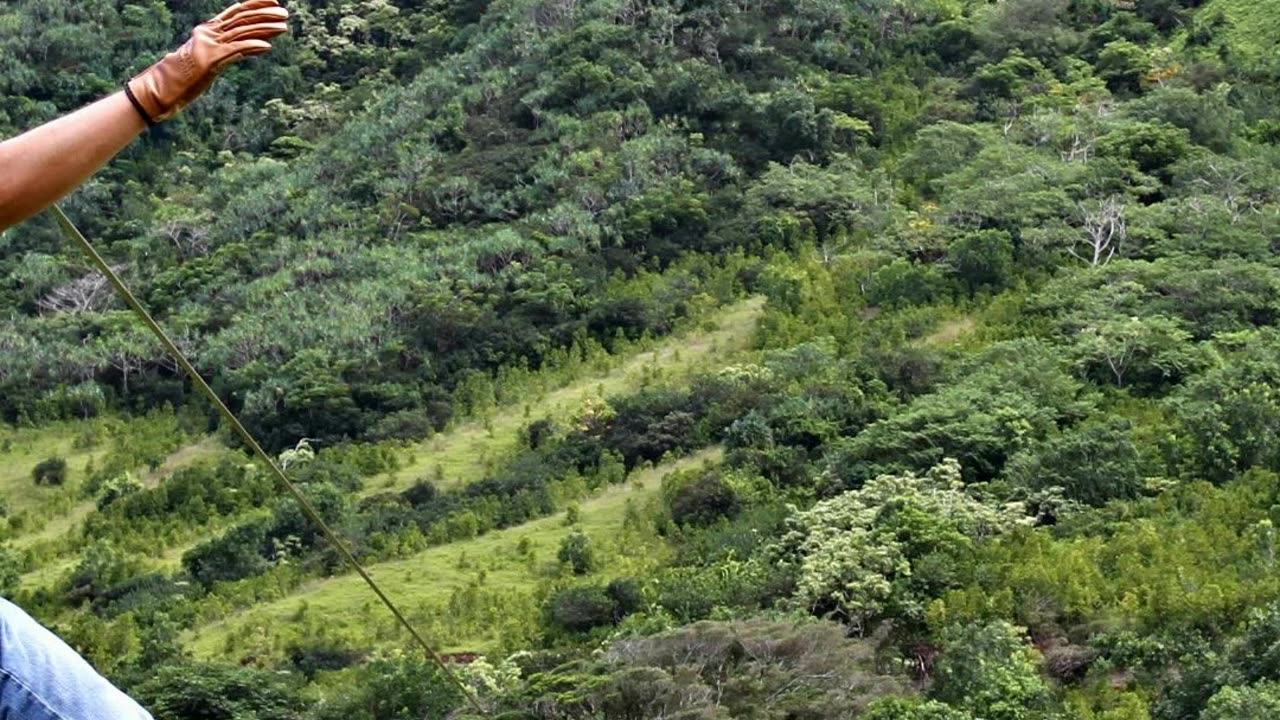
(10, 572)
(990, 670)
(216, 692)
(627, 597)
(421, 493)
(312, 656)
(402, 425)
(539, 432)
(582, 609)
(117, 488)
(52, 471)
(912, 709)
(575, 550)
(704, 501)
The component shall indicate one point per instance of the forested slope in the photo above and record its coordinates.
(1003, 445)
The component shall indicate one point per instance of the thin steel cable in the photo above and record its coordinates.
(73, 233)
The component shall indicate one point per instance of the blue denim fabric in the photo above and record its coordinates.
(41, 678)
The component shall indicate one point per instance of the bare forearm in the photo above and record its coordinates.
(40, 166)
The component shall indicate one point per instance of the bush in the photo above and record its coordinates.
(10, 572)
(237, 554)
(421, 493)
(990, 670)
(216, 692)
(539, 432)
(399, 686)
(704, 501)
(983, 259)
(627, 597)
(118, 488)
(1093, 463)
(582, 609)
(903, 284)
(1256, 702)
(912, 709)
(575, 550)
(312, 656)
(52, 471)
(402, 425)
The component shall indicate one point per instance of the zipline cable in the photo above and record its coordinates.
(74, 234)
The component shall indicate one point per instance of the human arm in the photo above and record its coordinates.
(39, 167)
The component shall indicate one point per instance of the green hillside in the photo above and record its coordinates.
(501, 571)
(777, 360)
(1249, 29)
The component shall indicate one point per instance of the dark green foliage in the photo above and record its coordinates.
(52, 471)
(314, 656)
(584, 608)
(703, 501)
(627, 596)
(537, 433)
(130, 515)
(983, 260)
(651, 424)
(1228, 414)
(1152, 147)
(142, 594)
(903, 283)
(401, 685)
(238, 553)
(217, 692)
(1015, 394)
(581, 609)
(102, 566)
(1093, 464)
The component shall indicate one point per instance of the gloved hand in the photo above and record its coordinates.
(241, 31)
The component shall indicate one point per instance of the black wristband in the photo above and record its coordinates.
(128, 91)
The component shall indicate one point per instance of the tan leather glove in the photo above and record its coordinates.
(241, 31)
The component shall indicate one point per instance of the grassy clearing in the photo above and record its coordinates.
(464, 453)
(21, 449)
(207, 449)
(435, 586)
(950, 332)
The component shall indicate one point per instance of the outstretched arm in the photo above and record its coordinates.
(44, 164)
(39, 167)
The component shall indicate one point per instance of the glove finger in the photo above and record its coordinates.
(244, 6)
(249, 48)
(271, 14)
(262, 31)
(239, 51)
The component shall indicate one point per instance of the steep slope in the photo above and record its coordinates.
(465, 595)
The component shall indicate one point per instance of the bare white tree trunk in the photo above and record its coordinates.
(90, 293)
(1105, 230)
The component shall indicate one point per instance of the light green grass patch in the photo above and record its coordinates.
(438, 587)
(465, 453)
(21, 449)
